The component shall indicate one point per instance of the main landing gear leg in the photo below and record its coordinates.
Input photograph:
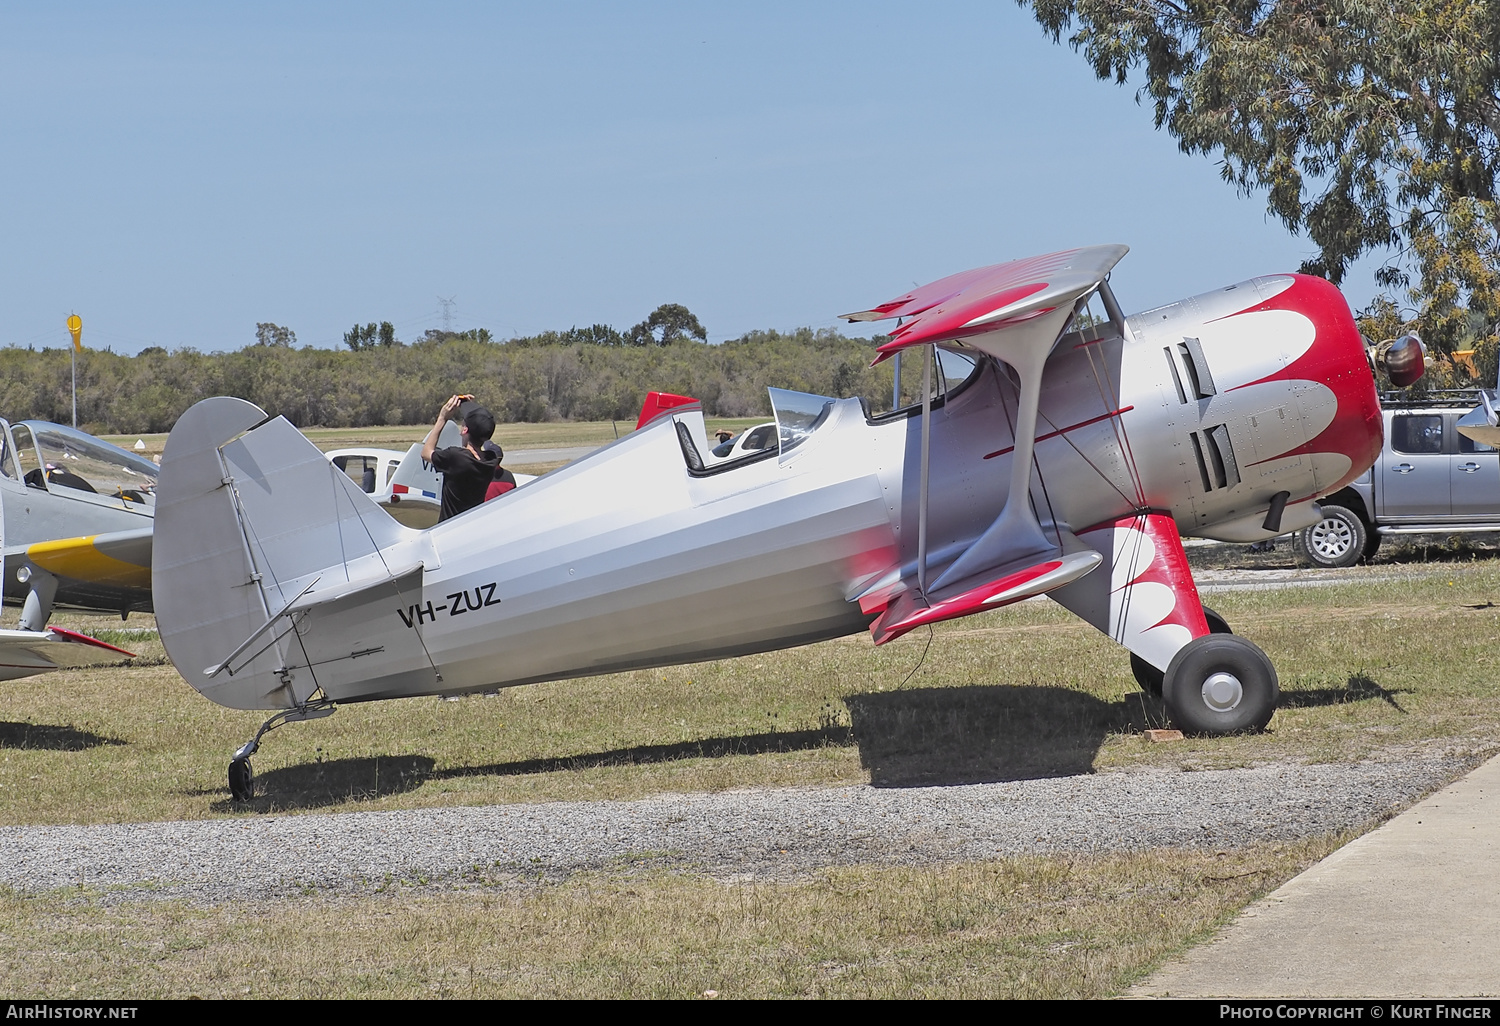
(241, 776)
(1212, 681)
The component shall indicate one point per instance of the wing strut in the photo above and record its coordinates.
(1015, 313)
(927, 357)
(1016, 533)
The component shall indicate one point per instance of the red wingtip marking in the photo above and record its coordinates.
(972, 601)
(84, 639)
(658, 403)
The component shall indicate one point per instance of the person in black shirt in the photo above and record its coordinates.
(467, 469)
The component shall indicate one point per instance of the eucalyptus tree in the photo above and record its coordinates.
(1370, 125)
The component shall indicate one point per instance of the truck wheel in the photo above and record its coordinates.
(1338, 540)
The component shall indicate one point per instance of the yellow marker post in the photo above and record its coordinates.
(75, 328)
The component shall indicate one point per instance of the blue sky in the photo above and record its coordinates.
(176, 173)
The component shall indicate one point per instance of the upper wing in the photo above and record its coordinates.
(993, 298)
(1015, 312)
(121, 558)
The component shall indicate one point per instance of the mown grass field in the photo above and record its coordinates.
(1396, 662)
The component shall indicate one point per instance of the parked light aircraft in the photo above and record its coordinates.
(412, 490)
(75, 529)
(1059, 448)
(78, 518)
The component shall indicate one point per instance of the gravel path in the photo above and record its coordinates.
(758, 833)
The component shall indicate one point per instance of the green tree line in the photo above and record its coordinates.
(555, 376)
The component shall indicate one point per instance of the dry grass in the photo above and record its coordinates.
(1075, 927)
(1398, 661)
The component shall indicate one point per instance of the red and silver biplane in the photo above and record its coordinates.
(1059, 449)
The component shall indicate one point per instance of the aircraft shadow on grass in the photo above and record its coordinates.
(921, 737)
(970, 735)
(316, 785)
(1359, 689)
(51, 737)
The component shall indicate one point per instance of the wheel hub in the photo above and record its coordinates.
(1222, 692)
(1332, 538)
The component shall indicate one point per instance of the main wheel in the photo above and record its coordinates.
(1338, 540)
(241, 780)
(1149, 677)
(1216, 623)
(1220, 684)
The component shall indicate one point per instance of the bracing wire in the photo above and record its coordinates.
(920, 661)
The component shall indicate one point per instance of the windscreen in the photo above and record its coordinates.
(798, 415)
(82, 463)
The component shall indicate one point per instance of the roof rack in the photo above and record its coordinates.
(1466, 397)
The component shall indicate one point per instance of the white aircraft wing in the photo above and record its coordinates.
(26, 653)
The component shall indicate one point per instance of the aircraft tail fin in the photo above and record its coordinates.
(414, 476)
(250, 515)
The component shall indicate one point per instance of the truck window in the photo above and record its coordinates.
(1417, 433)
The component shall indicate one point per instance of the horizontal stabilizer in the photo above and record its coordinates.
(1482, 424)
(25, 653)
(909, 610)
(340, 596)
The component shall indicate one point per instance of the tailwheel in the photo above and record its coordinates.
(1220, 684)
(1149, 677)
(241, 780)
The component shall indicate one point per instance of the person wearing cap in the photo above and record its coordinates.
(467, 469)
(504, 480)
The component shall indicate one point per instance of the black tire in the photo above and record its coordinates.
(1149, 677)
(1216, 623)
(1338, 540)
(241, 780)
(1220, 684)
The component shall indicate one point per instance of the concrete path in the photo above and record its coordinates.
(1409, 910)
